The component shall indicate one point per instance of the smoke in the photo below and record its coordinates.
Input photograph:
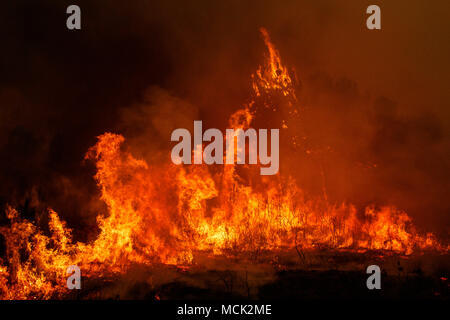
(371, 151)
(148, 123)
(374, 120)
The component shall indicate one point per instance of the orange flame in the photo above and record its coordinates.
(165, 213)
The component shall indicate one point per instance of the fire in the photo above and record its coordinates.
(163, 213)
(273, 75)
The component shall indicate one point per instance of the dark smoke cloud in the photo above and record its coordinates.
(375, 103)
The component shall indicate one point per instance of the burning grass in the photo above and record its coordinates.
(168, 215)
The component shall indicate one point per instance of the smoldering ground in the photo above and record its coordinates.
(375, 105)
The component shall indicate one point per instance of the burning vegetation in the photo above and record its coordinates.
(166, 213)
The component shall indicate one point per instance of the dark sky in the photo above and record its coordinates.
(376, 97)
